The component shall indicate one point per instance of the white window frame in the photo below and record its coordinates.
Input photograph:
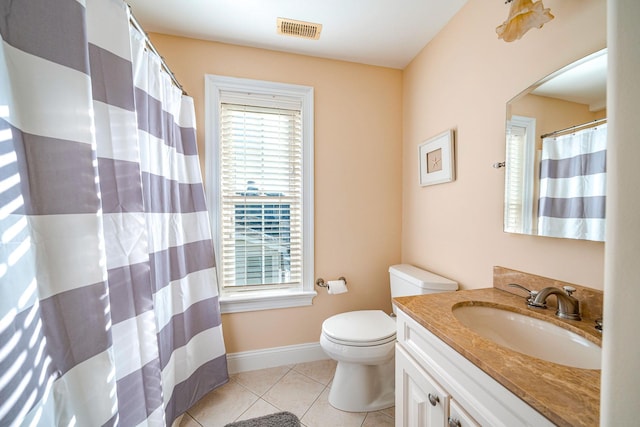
(230, 301)
(527, 175)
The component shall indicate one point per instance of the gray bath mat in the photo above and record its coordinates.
(280, 419)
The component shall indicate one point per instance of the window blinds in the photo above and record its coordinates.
(261, 191)
(514, 200)
(520, 175)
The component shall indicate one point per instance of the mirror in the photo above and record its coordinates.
(556, 154)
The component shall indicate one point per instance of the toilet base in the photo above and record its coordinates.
(363, 388)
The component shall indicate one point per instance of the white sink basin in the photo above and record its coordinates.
(531, 336)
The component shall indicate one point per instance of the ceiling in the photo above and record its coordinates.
(387, 33)
(583, 82)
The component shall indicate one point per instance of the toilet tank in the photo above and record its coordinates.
(407, 280)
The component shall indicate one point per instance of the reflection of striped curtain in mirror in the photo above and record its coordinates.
(573, 184)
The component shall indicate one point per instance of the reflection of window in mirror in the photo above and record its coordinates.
(519, 209)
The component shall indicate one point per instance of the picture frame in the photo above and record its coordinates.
(436, 157)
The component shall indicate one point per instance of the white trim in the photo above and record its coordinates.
(275, 356)
(214, 86)
(264, 300)
(529, 174)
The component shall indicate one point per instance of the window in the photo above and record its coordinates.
(519, 204)
(259, 175)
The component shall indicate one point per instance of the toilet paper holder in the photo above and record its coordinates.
(320, 282)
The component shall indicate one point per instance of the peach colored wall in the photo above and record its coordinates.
(358, 179)
(462, 80)
(553, 114)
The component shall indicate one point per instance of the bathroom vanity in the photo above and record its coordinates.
(449, 375)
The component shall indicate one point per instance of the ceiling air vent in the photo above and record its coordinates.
(306, 30)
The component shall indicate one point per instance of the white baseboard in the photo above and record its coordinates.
(275, 356)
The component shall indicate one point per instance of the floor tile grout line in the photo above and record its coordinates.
(275, 384)
(270, 387)
(260, 397)
(314, 402)
(245, 411)
(192, 418)
(313, 379)
(306, 376)
(248, 390)
(299, 369)
(326, 386)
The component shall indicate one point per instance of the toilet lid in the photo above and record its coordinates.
(365, 326)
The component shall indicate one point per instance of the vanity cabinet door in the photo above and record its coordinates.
(458, 417)
(420, 401)
(474, 397)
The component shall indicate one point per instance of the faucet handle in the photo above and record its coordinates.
(599, 325)
(569, 289)
(532, 294)
(515, 285)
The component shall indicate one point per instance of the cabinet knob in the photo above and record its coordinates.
(454, 422)
(433, 399)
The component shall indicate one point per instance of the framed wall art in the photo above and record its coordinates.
(437, 159)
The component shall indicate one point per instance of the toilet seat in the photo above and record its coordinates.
(364, 328)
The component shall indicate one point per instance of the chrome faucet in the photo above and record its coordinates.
(568, 306)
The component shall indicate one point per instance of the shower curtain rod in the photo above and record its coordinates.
(588, 124)
(163, 64)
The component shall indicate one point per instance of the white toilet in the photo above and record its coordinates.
(363, 344)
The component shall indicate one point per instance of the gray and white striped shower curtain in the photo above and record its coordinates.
(573, 185)
(109, 309)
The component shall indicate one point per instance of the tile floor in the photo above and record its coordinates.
(302, 389)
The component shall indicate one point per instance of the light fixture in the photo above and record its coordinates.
(523, 16)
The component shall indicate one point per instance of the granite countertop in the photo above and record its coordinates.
(567, 396)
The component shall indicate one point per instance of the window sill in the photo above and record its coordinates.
(267, 300)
